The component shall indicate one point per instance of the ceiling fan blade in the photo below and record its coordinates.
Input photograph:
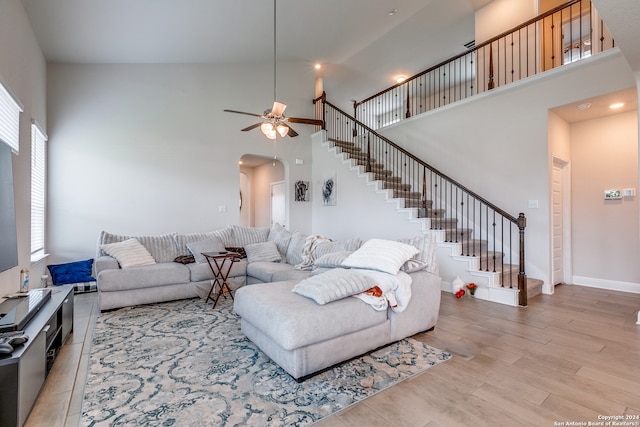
(251, 127)
(278, 109)
(243, 112)
(292, 133)
(315, 122)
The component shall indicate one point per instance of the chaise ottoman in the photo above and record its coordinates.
(304, 337)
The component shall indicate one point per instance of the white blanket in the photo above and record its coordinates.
(307, 251)
(392, 291)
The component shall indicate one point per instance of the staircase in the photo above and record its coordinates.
(459, 252)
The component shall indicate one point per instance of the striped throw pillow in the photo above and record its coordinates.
(333, 285)
(264, 251)
(129, 253)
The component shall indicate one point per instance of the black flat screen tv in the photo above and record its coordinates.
(8, 236)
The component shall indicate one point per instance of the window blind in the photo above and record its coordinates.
(9, 119)
(38, 187)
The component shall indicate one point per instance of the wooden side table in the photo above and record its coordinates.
(220, 264)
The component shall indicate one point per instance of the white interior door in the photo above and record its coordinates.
(561, 218)
(278, 203)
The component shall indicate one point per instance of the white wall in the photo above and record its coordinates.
(147, 149)
(359, 210)
(606, 236)
(502, 15)
(23, 71)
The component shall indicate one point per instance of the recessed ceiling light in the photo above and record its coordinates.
(317, 66)
(616, 105)
(400, 79)
(584, 106)
(393, 12)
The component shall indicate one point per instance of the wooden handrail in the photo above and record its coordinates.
(409, 169)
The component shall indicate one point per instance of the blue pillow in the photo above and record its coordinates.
(72, 272)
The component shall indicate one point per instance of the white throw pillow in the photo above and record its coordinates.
(332, 260)
(265, 251)
(212, 244)
(129, 253)
(381, 255)
(333, 285)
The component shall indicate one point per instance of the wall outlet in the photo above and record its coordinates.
(222, 208)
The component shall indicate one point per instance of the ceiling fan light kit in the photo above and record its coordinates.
(273, 121)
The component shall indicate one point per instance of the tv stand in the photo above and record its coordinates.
(23, 372)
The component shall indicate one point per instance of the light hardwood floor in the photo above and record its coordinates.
(568, 358)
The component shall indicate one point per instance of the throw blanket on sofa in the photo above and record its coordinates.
(307, 254)
(390, 291)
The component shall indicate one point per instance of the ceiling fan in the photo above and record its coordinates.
(273, 120)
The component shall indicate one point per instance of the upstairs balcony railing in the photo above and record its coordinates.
(563, 35)
(483, 229)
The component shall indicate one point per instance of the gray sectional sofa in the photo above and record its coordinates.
(311, 303)
(164, 279)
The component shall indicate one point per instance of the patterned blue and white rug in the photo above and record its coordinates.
(184, 364)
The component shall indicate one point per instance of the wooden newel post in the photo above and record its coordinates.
(320, 110)
(522, 277)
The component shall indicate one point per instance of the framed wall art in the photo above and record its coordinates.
(329, 189)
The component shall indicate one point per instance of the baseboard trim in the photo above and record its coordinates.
(607, 284)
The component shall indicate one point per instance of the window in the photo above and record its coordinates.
(9, 119)
(38, 186)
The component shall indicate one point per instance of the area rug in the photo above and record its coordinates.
(185, 364)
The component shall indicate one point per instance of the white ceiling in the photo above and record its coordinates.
(360, 45)
(598, 106)
(354, 38)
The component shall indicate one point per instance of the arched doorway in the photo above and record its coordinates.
(257, 176)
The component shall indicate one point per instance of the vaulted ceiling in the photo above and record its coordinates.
(369, 41)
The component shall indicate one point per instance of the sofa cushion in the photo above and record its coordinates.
(381, 255)
(181, 240)
(212, 244)
(274, 271)
(129, 253)
(294, 250)
(200, 272)
(264, 251)
(162, 274)
(243, 236)
(293, 274)
(294, 321)
(278, 232)
(323, 248)
(426, 258)
(162, 248)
